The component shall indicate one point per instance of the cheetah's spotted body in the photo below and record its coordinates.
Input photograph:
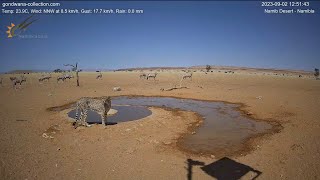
(101, 106)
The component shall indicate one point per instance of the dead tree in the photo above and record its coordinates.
(175, 86)
(75, 69)
(208, 67)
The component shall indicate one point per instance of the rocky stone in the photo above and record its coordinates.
(112, 112)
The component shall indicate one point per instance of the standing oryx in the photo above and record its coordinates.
(68, 76)
(1, 81)
(99, 76)
(187, 75)
(143, 75)
(17, 81)
(46, 77)
(62, 78)
(152, 75)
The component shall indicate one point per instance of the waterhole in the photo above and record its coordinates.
(124, 113)
(224, 131)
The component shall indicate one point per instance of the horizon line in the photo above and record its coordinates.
(163, 67)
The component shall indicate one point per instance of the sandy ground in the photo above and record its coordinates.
(146, 149)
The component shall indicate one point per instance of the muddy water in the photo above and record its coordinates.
(224, 129)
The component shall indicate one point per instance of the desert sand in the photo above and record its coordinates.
(146, 149)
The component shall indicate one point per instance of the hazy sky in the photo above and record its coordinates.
(190, 33)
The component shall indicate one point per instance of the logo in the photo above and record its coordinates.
(11, 30)
(14, 30)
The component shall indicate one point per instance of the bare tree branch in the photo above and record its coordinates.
(69, 65)
(170, 89)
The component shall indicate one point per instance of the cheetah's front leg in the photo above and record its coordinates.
(84, 119)
(104, 119)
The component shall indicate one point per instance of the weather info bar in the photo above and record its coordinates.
(268, 7)
(58, 8)
(281, 7)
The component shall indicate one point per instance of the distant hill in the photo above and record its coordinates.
(249, 68)
(222, 68)
(94, 70)
(20, 72)
(149, 68)
(200, 67)
(38, 71)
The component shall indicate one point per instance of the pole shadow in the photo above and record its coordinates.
(223, 169)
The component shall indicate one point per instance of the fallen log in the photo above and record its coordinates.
(170, 89)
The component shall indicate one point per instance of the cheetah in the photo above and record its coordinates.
(99, 105)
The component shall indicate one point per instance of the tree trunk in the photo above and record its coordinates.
(77, 78)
